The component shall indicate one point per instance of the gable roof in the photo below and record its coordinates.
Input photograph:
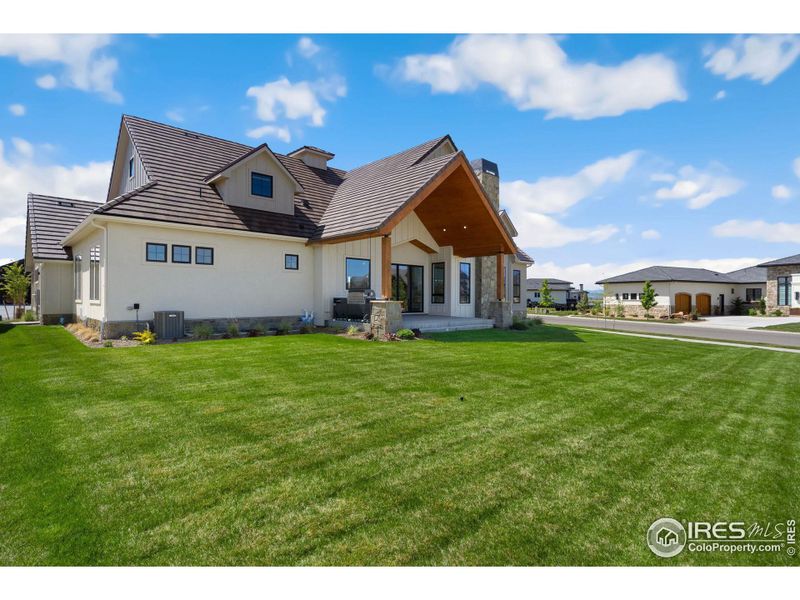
(661, 273)
(786, 260)
(50, 220)
(535, 283)
(263, 148)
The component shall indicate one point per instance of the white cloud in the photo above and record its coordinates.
(542, 231)
(781, 192)
(47, 82)
(176, 115)
(557, 194)
(720, 95)
(21, 172)
(18, 110)
(796, 166)
(699, 188)
(86, 66)
(282, 133)
(651, 234)
(535, 73)
(758, 230)
(282, 98)
(306, 47)
(588, 273)
(758, 57)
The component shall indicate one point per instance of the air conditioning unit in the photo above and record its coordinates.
(168, 324)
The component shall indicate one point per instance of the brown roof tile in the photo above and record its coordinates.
(50, 219)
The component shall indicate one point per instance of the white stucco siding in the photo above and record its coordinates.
(666, 291)
(235, 189)
(558, 296)
(86, 307)
(457, 308)
(247, 278)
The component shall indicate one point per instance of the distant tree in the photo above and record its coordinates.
(15, 286)
(545, 297)
(582, 305)
(738, 306)
(648, 298)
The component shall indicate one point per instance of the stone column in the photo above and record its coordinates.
(500, 311)
(386, 316)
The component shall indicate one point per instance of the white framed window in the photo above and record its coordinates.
(76, 277)
(94, 273)
(131, 168)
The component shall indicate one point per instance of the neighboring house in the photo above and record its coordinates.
(224, 232)
(783, 284)
(685, 289)
(562, 292)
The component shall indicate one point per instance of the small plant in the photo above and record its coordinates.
(202, 331)
(762, 306)
(145, 337)
(777, 313)
(108, 344)
(695, 316)
(583, 304)
(738, 306)
(29, 316)
(620, 311)
(648, 300)
(232, 330)
(124, 338)
(405, 334)
(257, 330)
(283, 328)
(306, 328)
(518, 324)
(752, 312)
(353, 330)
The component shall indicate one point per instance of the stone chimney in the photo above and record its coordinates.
(489, 176)
(486, 305)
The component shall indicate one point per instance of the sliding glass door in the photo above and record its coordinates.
(408, 287)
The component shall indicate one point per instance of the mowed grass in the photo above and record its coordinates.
(793, 327)
(318, 450)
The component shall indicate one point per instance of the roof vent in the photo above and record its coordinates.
(313, 156)
(62, 203)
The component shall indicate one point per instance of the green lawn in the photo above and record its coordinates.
(793, 327)
(324, 450)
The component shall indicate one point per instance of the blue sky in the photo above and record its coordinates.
(615, 151)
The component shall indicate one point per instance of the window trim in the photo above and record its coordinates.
(77, 278)
(369, 273)
(205, 264)
(461, 300)
(253, 175)
(787, 290)
(172, 254)
(297, 262)
(626, 295)
(147, 252)
(94, 273)
(516, 286)
(131, 168)
(434, 295)
(750, 293)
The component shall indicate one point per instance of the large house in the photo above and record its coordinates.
(562, 293)
(783, 284)
(226, 232)
(685, 289)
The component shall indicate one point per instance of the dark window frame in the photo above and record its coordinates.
(196, 254)
(516, 286)
(253, 177)
(626, 296)
(147, 252)
(297, 262)
(131, 168)
(438, 298)
(180, 262)
(369, 274)
(753, 294)
(461, 273)
(784, 285)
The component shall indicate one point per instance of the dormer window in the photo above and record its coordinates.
(131, 168)
(261, 185)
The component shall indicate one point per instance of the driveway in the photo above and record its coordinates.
(690, 329)
(743, 322)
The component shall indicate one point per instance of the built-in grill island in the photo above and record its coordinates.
(355, 307)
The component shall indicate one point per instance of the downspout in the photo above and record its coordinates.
(103, 294)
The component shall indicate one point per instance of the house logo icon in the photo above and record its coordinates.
(666, 537)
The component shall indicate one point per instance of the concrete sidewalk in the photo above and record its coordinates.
(685, 330)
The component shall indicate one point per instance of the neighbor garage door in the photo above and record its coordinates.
(683, 303)
(704, 304)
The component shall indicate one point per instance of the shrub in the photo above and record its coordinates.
(535, 321)
(257, 330)
(124, 338)
(82, 332)
(583, 304)
(202, 331)
(353, 330)
(306, 328)
(145, 337)
(762, 306)
(519, 324)
(738, 306)
(232, 330)
(405, 334)
(29, 316)
(108, 344)
(695, 315)
(620, 311)
(777, 312)
(752, 312)
(283, 328)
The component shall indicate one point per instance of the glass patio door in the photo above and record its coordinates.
(408, 287)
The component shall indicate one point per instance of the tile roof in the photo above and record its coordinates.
(534, 283)
(660, 273)
(523, 256)
(786, 260)
(50, 219)
(749, 275)
(333, 202)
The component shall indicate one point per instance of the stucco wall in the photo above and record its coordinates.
(55, 288)
(86, 308)
(247, 278)
(666, 291)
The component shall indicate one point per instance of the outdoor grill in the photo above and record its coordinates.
(355, 307)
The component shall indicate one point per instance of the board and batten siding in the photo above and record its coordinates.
(235, 189)
(127, 184)
(55, 287)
